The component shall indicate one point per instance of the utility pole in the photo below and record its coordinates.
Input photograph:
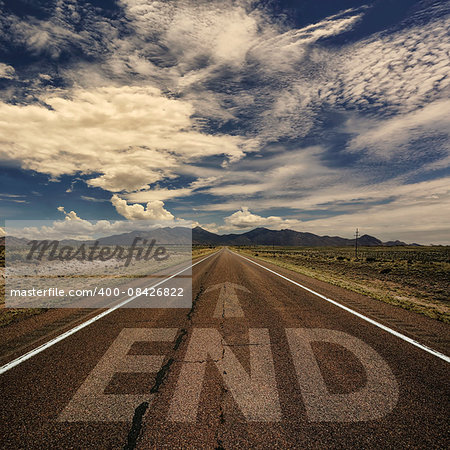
(356, 243)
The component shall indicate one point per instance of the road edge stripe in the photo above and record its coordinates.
(41, 348)
(361, 316)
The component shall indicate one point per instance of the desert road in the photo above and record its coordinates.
(263, 359)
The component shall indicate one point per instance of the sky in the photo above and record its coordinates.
(318, 116)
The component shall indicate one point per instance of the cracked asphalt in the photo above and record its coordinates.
(240, 381)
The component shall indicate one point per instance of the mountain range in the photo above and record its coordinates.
(264, 236)
(258, 236)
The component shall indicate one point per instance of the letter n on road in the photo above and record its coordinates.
(255, 394)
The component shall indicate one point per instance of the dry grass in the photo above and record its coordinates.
(202, 250)
(414, 278)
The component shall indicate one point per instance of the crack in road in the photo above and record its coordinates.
(162, 374)
(219, 443)
(137, 424)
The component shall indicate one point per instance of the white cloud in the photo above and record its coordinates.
(221, 31)
(75, 227)
(198, 40)
(224, 34)
(418, 212)
(386, 138)
(203, 182)
(245, 219)
(93, 199)
(283, 51)
(421, 219)
(285, 179)
(7, 71)
(211, 227)
(153, 211)
(157, 194)
(11, 196)
(341, 195)
(279, 174)
(131, 136)
(200, 54)
(398, 71)
(72, 215)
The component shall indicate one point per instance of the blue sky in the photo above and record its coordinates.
(318, 116)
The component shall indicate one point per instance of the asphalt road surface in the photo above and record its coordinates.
(257, 362)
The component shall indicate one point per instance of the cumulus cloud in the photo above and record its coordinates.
(245, 219)
(75, 227)
(7, 71)
(211, 227)
(153, 211)
(109, 133)
(72, 215)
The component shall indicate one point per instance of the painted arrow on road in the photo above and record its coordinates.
(228, 303)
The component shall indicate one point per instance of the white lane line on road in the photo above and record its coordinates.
(361, 316)
(41, 348)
